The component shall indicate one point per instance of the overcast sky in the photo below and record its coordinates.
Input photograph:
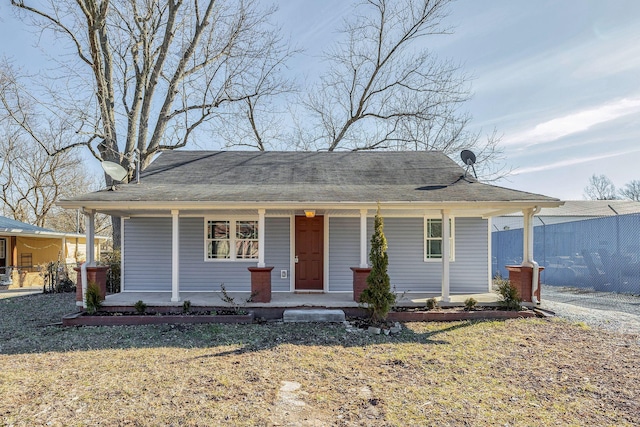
(560, 80)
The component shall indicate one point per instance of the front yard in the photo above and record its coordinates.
(515, 372)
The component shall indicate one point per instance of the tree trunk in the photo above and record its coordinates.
(115, 226)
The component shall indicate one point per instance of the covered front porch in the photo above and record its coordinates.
(185, 267)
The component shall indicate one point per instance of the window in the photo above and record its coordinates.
(231, 240)
(433, 239)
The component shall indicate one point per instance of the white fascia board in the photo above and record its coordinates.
(390, 205)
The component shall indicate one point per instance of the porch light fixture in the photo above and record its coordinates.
(310, 213)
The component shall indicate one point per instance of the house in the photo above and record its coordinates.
(24, 248)
(199, 219)
(584, 243)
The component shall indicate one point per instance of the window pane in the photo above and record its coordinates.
(247, 230)
(219, 249)
(218, 230)
(434, 228)
(434, 248)
(247, 249)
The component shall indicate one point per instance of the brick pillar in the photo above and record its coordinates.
(522, 278)
(260, 284)
(98, 275)
(359, 281)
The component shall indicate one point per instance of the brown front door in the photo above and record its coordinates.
(309, 253)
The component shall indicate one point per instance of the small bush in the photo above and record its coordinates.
(432, 303)
(66, 285)
(234, 307)
(140, 307)
(470, 304)
(186, 306)
(508, 294)
(113, 275)
(92, 298)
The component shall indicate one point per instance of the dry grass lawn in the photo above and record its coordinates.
(516, 372)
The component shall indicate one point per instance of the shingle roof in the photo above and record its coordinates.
(8, 224)
(244, 176)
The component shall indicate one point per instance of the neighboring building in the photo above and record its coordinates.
(199, 219)
(24, 248)
(585, 243)
(572, 210)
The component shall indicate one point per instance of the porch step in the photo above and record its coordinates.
(313, 315)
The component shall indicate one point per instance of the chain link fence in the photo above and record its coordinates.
(597, 258)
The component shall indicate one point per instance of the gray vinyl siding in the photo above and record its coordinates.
(147, 260)
(408, 270)
(147, 254)
(470, 272)
(199, 275)
(344, 252)
(277, 251)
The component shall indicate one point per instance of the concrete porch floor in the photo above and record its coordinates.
(284, 299)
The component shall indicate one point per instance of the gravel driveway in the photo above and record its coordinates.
(615, 312)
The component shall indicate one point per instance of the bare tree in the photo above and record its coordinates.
(32, 181)
(143, 76)
(600, 188)
(384, 89)
(631, 190)
(257, 121)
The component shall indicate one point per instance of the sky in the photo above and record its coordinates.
(559, 80)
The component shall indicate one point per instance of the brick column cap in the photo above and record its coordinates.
(259, 269)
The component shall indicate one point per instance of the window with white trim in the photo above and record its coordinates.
(231, 239)
(433, 239)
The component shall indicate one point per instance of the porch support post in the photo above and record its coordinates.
(261, 213)
(527, 238)
(175, 256)
(363, 238)
(446, 250)
(90, 232)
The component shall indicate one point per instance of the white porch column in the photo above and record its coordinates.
(261, 213)
(446, 251)
(175, 256)
(90, 231)
(527, 238)
(363, 238)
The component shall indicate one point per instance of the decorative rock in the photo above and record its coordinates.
(374, 330)
(395, 330)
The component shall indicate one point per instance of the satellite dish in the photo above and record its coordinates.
(469, 159)
(114, 170)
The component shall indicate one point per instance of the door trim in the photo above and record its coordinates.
(325, 261)
(292, 253)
